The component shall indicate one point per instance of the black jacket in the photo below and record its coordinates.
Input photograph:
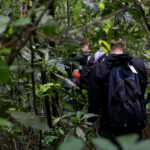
(98, 82)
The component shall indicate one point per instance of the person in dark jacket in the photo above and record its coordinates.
(98, 85)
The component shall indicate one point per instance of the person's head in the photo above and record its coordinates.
(117, 42)
(84, 43)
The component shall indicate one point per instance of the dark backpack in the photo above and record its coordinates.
(126, 107)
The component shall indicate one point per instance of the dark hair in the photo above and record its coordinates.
(83, 41)
(117, 38)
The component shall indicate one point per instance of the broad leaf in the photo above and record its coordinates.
(127, 141)
(77, 11)
(104, 144)
(80, 133)
(142, 145)
(50, 29)
(4, 20)
(4, 122)
(22, 21)
(71, 143)
(30, 120)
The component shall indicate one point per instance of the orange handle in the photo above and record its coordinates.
(78, 76)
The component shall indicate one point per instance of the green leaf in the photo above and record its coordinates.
(22, 21)
(71, 143)
(4, 20)
(62, 117)
(104, 144)
(127, 141)
(71, 84)
(101, 5)
(80, 134)
(79, 114)
(61, 68)
(89, 115)
(77, 11)
(142, 145)
(10, 31)
(46, 87)
(50, 29)
(4, 51)
(30, 3)
(4, 122)
(4, 72)
(104, 46)
(30, 120)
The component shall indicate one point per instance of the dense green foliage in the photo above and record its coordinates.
(37, 37)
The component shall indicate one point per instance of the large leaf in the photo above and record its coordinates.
(77, 11)
(127, 141)
(30, 120)
(4, 20)
(22, 21)
(4, 122)
(142, 145)
(71, 143)
(4, 72)
(50, 29)
(80, 133)
(104, 144)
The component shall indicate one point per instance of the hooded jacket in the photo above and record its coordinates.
(98, 82)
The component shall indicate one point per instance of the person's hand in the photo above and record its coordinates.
(75, 72)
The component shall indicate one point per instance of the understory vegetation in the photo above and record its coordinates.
(39, 39)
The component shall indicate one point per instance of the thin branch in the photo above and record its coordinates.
(27, 147)
(68, 12)
(60, 39)
(26, 7)
(44, 11)
(15, 52)
(33, 7)
(138, 5)
(14, 141)
(96, 22)
(32, 74)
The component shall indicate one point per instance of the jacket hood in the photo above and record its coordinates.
(116, 59)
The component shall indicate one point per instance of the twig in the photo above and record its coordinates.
(44, 11)
(26, 8)
(68, 12)
(33, 7)
(138, 5)
(96, 22)
(14, 141)
(32, 74)
(27, 147)
(15, 52)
